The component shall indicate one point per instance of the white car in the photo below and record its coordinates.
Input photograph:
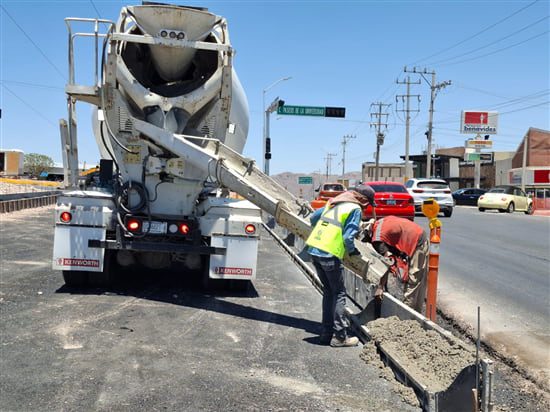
(437, 189)
(506, 199)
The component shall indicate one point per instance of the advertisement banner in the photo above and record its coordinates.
(479, 122)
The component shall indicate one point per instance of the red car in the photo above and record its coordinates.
(391, 198)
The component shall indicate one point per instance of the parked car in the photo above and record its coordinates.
(437, 189)
(326, 191)
(506, 199)
(467, 196)
(391, 198)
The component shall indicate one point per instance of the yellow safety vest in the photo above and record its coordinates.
(327, 233)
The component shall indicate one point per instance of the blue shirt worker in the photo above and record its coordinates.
(334, 229)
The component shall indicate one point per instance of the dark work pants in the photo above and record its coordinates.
(331, 274)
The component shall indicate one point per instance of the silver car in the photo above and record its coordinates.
(438, 189)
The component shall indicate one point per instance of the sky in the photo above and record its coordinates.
(337, 53)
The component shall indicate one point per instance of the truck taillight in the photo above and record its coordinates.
(133, 225)
(447, 191)
(418, 191)
(481, 197)
(250, 229)
(65, 217)
(411, 201)
(183, 228)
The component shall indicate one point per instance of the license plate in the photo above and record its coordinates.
(390, 202)
(156, 227)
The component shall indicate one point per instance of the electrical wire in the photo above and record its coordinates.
(40, 86)
(496, 51)
(29, 106)
(33, 43)
(476, 34)
(489, 44)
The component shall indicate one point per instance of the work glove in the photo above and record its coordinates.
(355, 252)
(379, 294)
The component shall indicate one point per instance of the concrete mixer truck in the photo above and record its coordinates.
(170, 119)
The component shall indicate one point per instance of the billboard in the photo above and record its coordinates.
(478, 122)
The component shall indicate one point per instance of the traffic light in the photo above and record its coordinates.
(268, 148)
(280, 103)
(335, 112)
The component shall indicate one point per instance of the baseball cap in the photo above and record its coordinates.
(368, 192)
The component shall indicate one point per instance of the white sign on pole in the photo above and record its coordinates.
(478, 122)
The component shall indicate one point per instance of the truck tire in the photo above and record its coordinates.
(481, 209)
(448, 212)
(82, 279)
(510, 208)
(104, 278)
(529, 210)
(207, 282)
(75, 278)
(239, 285)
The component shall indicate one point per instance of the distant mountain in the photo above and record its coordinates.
(290, 182)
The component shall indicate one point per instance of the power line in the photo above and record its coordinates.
(496, 51)
(489, 44)
(36, 85)
(96, 10)
(525, 108)
(33, 43)
(477, 34)
(29, 106)
(510, 102)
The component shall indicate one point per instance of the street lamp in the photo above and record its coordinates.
(266, 139)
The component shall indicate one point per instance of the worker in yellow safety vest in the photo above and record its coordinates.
(334, 229)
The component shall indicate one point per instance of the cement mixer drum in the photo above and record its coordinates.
(177, 23)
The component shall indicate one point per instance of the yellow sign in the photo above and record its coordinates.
(483, 144)
(430, 208)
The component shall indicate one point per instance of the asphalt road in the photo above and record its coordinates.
(500, 262)
(163, 344)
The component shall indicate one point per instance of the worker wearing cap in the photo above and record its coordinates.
(334, 229)
(405, 241)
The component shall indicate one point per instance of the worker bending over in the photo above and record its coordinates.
(334, 229)
(407, 245)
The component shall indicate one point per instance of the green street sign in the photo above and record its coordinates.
(305, 180)
(301, 110)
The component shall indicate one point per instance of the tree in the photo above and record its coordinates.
(35, 163)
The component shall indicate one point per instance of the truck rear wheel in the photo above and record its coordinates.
(239, 285)
(75, 278)
(104, 278)
(83, 279)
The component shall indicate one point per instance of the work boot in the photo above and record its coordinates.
(347, 342)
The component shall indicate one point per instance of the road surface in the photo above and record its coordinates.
(161, 345)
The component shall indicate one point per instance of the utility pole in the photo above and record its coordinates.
(434, 88)
(345, 140)
(408, 168)
(328, 160)
(378, 123)
(267, 111)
